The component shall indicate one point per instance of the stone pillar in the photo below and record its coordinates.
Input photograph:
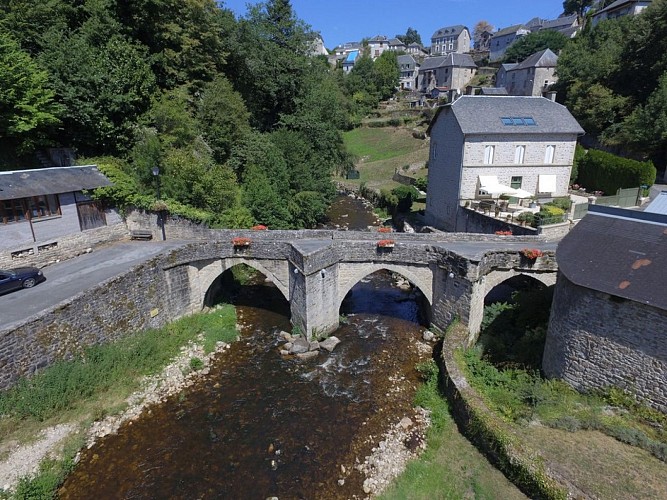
(313, 299)
(451, 297)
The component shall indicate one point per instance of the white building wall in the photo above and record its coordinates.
(504, 168)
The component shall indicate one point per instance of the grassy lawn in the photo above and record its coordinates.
(382, 151)
(450, 467)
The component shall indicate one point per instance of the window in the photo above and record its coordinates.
(488, 154)
(518, 120)
(549, 154)
(515, 183)
(519, 153)
(35, 207)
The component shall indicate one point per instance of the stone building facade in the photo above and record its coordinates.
(481, 145)
(450, 39)
(608, 320)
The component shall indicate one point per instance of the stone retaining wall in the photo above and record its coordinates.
(98, 315)
(624, 344)
(523, 466)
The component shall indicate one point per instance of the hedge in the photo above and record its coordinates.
(602, 171)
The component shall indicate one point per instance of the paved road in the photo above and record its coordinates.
(68, 278)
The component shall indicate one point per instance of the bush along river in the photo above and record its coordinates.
(262, 424)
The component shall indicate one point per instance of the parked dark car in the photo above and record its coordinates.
(21, 277)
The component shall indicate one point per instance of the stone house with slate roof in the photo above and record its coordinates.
(409, 70)
(41, 207)
(620, 8)
(532, 76)
(608, 324)
(451, 72)
(450, 39)
(503, 38)
(483, 144)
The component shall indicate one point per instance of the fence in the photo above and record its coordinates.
(623, 198)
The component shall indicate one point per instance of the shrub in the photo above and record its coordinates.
(421, 183)
(196, 364)
(564, 203)
(602, 171)
(405, 195)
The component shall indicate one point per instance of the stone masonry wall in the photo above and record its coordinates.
(142, 298)
(66, 247)
(597, 340)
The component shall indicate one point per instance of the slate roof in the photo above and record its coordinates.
(395, 41)
(617, 4)
(509, 30)
(618, 254)
(559, 22)
(658, 205)
(406, 59)
(25, 183)
(493, 91)
(452, 59)
(449, 31)
(542, 59)
(482, 115)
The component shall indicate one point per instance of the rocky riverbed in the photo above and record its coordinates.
(389, 452)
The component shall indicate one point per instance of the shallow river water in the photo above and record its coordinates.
(261, 425)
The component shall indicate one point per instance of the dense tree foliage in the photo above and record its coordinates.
(244, 125)
(613, 77)
(534, 42)
(411, 36)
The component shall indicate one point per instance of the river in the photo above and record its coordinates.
(261, 425)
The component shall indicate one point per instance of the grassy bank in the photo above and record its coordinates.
(96, 384)
(381, 151)
(451, 467)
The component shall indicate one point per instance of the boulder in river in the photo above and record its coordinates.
(300, 345)
(330, 343)
(307, 355)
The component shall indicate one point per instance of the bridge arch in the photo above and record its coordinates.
(488, 282)
(275, 271)
(351, 273)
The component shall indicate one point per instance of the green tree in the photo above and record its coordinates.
(386, 74)
(270, 61)
(411, 36)
(27, 105)
(223, 117)
(534, 42)
(578, 7)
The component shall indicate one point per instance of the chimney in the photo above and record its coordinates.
(551, 95)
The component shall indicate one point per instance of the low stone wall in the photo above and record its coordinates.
(137, 300)
(175, 228)
(476, 222)
(523, 466)
(66, 247)
(623, 345)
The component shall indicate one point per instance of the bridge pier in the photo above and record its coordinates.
(314, 300)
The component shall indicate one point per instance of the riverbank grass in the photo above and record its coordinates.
(450, 467)
(97, 384)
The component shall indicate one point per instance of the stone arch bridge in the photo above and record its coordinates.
(314, 270)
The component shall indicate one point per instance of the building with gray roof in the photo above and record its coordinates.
(41, 206)
(609, 312)
(620, 8)
(451, 72)
(486, 146)
(503, 38)
(533, 76)
(450, 39)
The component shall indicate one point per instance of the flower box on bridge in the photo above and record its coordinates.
(259, 227)
(386, 244)
(240, 242)
(531, 253)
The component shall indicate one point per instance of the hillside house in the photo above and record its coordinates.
(609, 313)
(41, 206)
(409, 70)
(350, 59)
(396, 45)
(620, 8)
(501, 74)
(451, 72)
(416, 50)
(451, 39)
(377, 45)
(485, 146)
(503, 38)
(532, 76)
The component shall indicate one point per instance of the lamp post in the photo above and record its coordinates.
(160, 215)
